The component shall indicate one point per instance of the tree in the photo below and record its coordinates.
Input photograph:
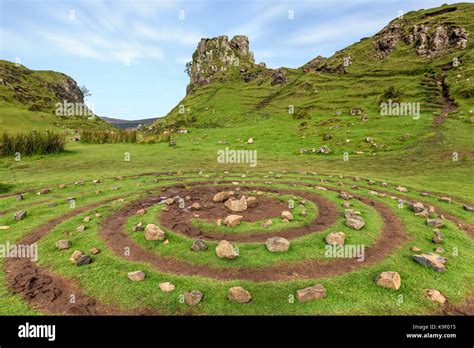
(189, 65)
(85, 91)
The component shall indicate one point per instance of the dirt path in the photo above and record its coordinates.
(51, 293)
(266, 208)
(393, 235)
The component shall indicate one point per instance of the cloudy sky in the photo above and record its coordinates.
(131, 53)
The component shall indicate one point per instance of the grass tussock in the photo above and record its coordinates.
(108, 137)
(33, 143)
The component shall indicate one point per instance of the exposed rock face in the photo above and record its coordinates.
(313, 64)
(67, 89)
(218, 55)
(429, 40)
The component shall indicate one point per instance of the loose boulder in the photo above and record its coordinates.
(432, 261)
(84, 260)
(286, 215)
(389, 280)
(251, 202)
(437, 223)
(233, 220)
(20, 215)
(239, 294)
(277, 244)
(199, 245)
(236, 205)
(335, 238)
(435, 296)
(153, 232)
(354, 221)
(193, 297)
(222, 196)
(63, 244)
(225, 250)
(314, 292)
(136, 276)
(167, 286)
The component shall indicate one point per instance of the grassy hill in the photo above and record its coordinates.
(322, 97)
(28, 98)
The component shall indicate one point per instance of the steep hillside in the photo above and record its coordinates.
(423, 59)
(28, 100)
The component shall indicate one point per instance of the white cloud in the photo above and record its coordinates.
(167, 34)
(359, 25)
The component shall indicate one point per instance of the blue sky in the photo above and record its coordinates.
(131, 53)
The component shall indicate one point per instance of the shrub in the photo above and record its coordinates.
(108, 137)
(34, 143)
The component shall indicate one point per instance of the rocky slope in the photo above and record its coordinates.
(31, 96)
(227, 86)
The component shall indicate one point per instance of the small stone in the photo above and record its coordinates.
(436, 239)
(20, 215)
(251, 202)
(81, 228)
(267, 223)
(445, 199)
(167, 286)
(193, 297)
(432, 261)
(199, 245)
(233, 220)
(169, 201)
(286, 215)
(83, 260)
(439, 250)
(87, 219)
(314, 292)
(259, 193)
(141, 212)
(95, 251)
(435, 296)
(389, 280)
(166, 242)
(354, 221)
(401, 189)
(138, 227)
(195, 206)
(45, 191)
(136, 276)
(239, 294)
(236, 205)
(435, 223)
(63, 244)
(468, 207)
(277, 244)
(346, 205)
(415, 249)
(62, 186)
(417, 207)
(75, 256)
(335, 238)
(303, 213)
(219, 222)
(344, 195)
(225, 250)
(250, 141)
(4, 228)
(222, 196)
(20, 197)
(153, 232)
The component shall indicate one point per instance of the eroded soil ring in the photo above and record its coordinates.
(179, 220)
(49, 292)
(393, 235)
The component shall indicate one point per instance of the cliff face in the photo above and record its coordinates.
(218, 56)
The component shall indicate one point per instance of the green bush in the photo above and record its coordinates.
(108, 137)
(34, 143)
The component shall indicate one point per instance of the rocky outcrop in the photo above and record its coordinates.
(429, 40)
(66, 89)
(216, 56)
